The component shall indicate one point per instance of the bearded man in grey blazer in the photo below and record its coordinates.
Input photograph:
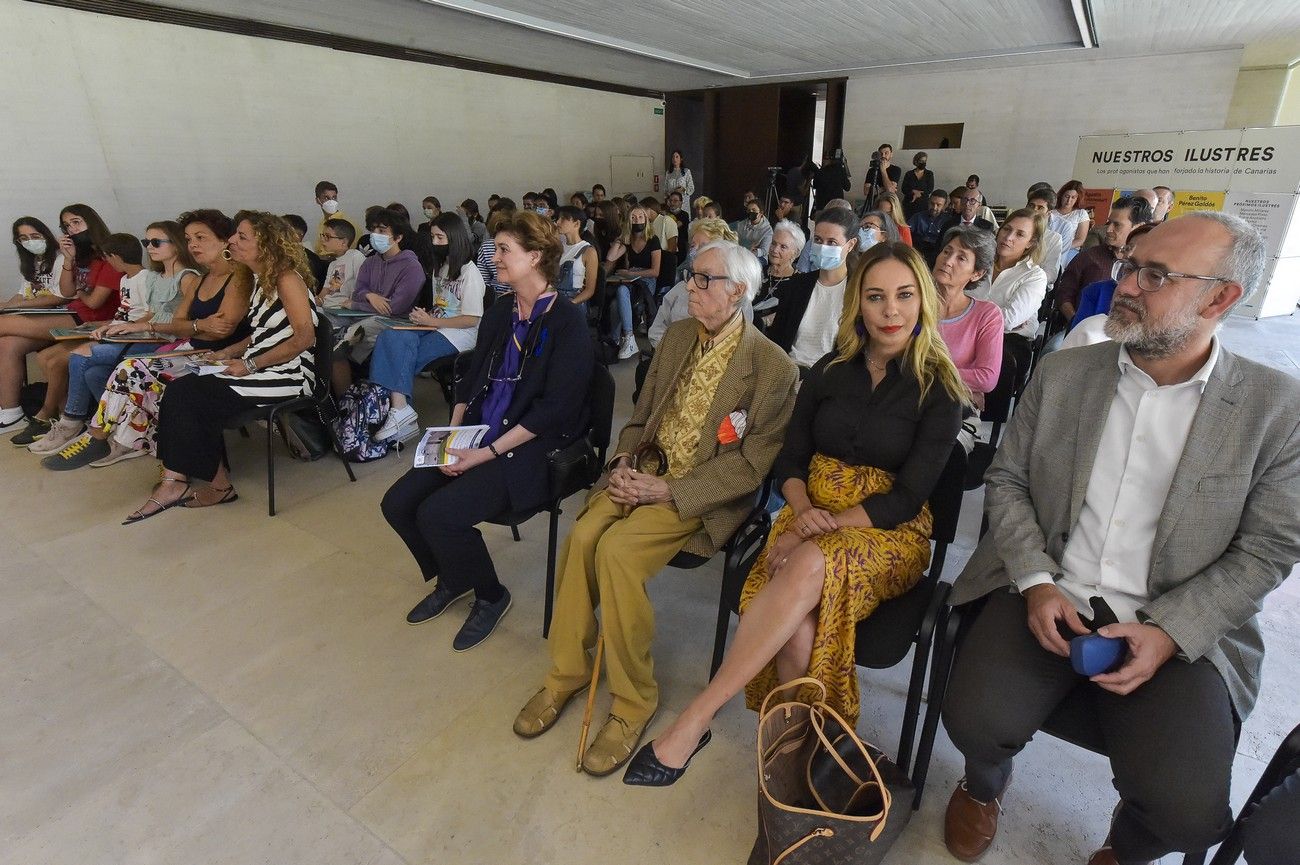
(1160, 473)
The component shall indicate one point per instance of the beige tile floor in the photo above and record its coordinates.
(221, 687)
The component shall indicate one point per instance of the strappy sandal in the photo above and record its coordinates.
(227, 495)
(180, 500)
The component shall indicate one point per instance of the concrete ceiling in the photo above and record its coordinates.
(687, 44)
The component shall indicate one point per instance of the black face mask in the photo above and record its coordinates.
(638, 228)
(755, 217)
(82, 241)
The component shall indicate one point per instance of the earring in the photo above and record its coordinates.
(226, 256)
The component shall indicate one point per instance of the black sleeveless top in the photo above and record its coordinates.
(201, 309)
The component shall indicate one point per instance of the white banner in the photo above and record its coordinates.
(1254, 173)
(1253, 160)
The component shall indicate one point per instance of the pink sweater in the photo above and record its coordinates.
(974, 340)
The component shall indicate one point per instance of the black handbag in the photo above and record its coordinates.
(573, 467)
(304, 434)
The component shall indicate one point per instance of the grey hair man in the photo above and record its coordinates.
(1159, 475)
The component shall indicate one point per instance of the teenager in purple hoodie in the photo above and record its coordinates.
(388, 282)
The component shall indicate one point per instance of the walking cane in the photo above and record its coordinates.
(591, 697)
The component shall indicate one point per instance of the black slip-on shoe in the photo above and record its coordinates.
(483, 620)
(434, 605)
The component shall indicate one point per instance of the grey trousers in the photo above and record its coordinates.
(1170, 743)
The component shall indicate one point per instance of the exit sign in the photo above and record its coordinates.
(659, 111)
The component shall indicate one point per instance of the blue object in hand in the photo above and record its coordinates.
(1093, 654)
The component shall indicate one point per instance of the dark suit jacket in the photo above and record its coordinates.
(550, 398)
(1229, 531)
(794, 296)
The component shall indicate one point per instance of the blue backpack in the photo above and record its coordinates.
(363, 408)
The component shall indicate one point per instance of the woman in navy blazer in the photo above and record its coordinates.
(528, 383)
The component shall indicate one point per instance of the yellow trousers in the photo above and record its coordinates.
(606, 562)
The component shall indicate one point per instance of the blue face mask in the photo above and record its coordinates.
(380, 243)
(825, 257)
(542, 210)
(868, 237)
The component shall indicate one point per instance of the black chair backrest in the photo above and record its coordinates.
(997, 402)
(945, 501)
(600, 401)
(324, 356)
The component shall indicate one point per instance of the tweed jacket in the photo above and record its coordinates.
(720, 486)
(1228, 534)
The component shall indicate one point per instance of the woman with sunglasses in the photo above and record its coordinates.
(78, 371)
(528, 384)
(86, 277)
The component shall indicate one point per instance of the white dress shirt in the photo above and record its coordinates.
(1109, 550)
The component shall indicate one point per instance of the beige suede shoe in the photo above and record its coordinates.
(541, 712)
(613, 746)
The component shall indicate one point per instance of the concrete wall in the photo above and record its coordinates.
(144, 120)
(1023, 121)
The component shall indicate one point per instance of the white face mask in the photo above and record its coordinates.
(331, 206)
(35, 247)
(428, 213)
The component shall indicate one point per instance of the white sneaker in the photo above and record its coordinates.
(628, 348)
(10, 417)
(61, 433)
(116, 454)
(397, 419)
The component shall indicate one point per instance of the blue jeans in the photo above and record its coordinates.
(626, 323)
(88, 376)
(400, 354)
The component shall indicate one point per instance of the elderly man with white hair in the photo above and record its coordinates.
(709, 423)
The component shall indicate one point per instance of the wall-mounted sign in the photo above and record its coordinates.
(1253, 173)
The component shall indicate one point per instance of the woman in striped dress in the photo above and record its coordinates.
(275, 363)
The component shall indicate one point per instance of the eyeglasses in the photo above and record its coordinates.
(1151, 279)
(155, 242)
(701, 280)
(330, 237)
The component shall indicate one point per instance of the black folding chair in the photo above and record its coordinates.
(446, 371)
(319, 400)
(600, 399)
(885, 637)
(1285, 762)
(997, 402)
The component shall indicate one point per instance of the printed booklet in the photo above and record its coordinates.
(432, 450)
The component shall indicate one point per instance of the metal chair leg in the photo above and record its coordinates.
(551, 542)
(270, 465)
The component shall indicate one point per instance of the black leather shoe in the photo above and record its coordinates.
(645, 770)
(434, 605)
(483, 620)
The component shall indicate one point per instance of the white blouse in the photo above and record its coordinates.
(1018, 291)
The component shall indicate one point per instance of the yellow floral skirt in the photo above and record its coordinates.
(863, 568)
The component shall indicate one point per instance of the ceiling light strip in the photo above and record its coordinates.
(1082, 10)
(554, 28)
